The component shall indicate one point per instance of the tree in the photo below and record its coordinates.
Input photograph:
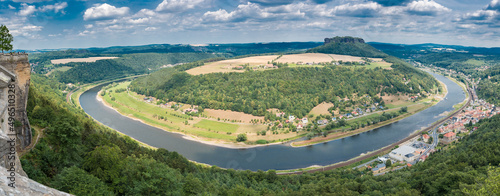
(76, 181)
(388, 163)
(241, 137)
(5, 39)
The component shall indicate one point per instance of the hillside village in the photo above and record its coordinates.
(419, 148)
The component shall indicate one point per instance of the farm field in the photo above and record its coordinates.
(226, 65)
(79, 60)
(294, 60)
(322, 108)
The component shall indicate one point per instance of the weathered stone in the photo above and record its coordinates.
(24, 186)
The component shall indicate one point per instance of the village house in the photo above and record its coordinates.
(291, 118)
(299, 127)
(192, 110)
(322, 122)
(425, 138)
(280, 114)
(304, 120)
(449, 137)
(379, 168)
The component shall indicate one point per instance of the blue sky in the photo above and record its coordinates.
(48, 24)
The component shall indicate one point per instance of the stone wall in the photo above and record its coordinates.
(17, 63)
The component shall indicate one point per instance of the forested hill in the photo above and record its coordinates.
(293, 90)
(348, 46)
(81, 157)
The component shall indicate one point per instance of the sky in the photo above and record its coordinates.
(49, 24)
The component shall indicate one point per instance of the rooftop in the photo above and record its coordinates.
(404, 150)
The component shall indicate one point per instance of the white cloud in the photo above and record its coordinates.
(494, 5)
(426, 7)
(12, 7)
(150, 29)
(145, 13)
(253, 12)
(26, 30)
(368, 9)
(86, 32)
(89, 26)
(489, 16)
(177, 5)
(27, 10)
(104, 11)
(138, 21)
(56, 7)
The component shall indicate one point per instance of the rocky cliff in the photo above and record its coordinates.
(344, 40)
(15, 130)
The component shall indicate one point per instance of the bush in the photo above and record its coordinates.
(241, 137)
(262, 142)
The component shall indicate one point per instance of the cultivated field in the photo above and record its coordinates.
(306, 57)
(320, 58)
(322, 108)
(311, 59)
(226, 65)
(79, 60)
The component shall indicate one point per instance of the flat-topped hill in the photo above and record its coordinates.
(348, 46)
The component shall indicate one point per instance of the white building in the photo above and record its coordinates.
(304, 120)
(404, 153)
(291, 118)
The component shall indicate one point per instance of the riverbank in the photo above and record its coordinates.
(129, 112)
(339, 134)
(149, 113)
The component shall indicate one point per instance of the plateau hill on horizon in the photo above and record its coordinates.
(353, 46)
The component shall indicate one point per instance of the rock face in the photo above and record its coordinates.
(15, 130)
(24, 186)
(18, 65)
(344, 40)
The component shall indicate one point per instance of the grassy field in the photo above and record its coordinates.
(384, 65)
(218, 126)
(63, 69)
(476, 62)
(174, 121)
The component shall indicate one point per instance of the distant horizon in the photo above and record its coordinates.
(201, 44)
(50, 24)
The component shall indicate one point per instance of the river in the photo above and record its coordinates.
(279, 157)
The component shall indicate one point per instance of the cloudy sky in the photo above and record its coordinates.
(47, 24)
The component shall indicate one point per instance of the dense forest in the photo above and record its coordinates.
(488, 87)
(81, 157)
(293, 90)
(128, 64)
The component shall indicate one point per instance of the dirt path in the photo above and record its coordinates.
(33, 144)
